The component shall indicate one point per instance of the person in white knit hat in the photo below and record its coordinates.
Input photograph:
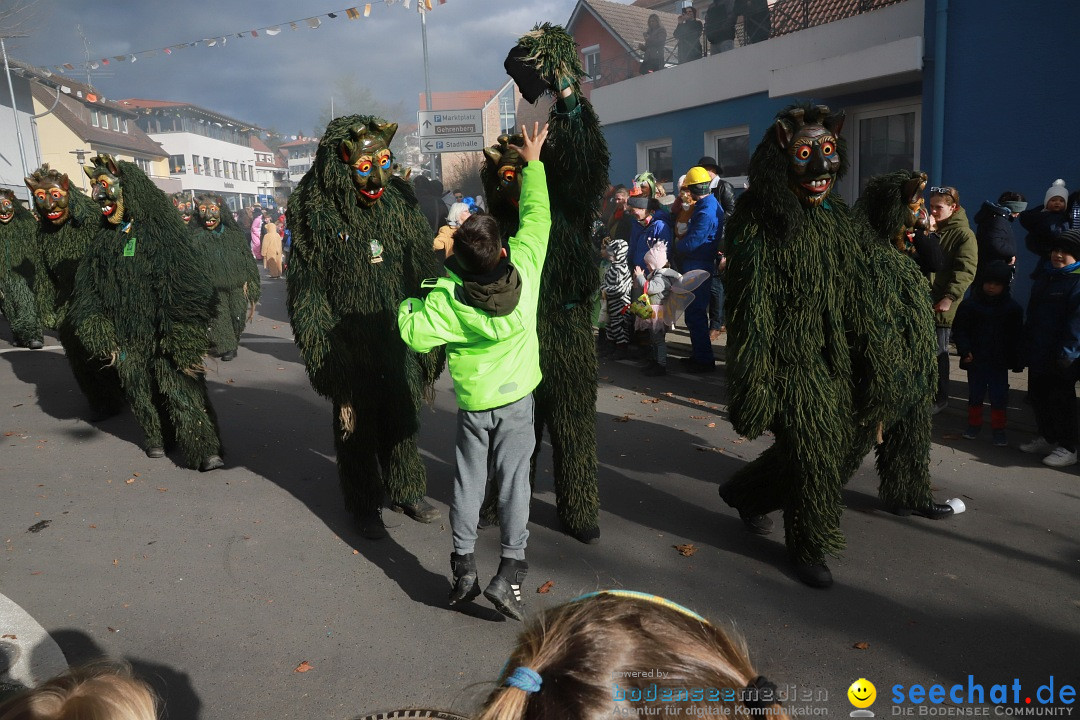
(1056, 197)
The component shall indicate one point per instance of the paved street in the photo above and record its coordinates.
(218, 586)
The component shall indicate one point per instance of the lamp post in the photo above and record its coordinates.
(427, 77)
(80, 157)
(11, 91)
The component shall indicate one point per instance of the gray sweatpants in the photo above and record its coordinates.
(507, 433)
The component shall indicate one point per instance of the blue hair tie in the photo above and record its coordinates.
(524, 678)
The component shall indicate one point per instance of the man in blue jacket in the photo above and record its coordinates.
(697, 251)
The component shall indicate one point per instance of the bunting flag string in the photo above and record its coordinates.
(313, 23)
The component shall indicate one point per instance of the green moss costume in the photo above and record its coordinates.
(18, 267)
(142, 299)
(361, 246)
(576, 156)
(68, 221)
(903, 349)
(231, 268)
(793, 297)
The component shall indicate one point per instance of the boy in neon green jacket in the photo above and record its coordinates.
(485, 314)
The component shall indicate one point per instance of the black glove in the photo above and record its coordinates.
(531, 84)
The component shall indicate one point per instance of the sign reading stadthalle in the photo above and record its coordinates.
(452, 143)
(444, 123)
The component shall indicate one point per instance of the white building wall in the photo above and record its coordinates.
(188, 144)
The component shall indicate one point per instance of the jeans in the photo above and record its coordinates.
(716, 304)
(697, 322)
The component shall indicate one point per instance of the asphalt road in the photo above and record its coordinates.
(218, 586)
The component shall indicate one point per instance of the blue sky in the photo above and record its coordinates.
(285, 80)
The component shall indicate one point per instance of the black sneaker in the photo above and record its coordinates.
(466, 584)
(504, 591)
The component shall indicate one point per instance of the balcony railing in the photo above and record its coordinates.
(781, 17)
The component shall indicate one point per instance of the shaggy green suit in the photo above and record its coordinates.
(152, 309)
(62, 249)
(576, 157)
(343, 309)
(19, 262)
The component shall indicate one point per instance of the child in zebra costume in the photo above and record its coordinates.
(616, 286)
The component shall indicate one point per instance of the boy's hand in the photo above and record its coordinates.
(530, 148)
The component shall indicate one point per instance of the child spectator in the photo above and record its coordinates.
(595, 657)
(656, 284)
(987, 335)
(98, 691)
(485, 313)
(1052, 345)
(1045, 222)
(652, 225)
(616, 287)
(444, 240)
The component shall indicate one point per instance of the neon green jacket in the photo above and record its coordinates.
(494, 361)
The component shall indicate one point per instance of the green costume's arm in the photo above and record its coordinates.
(188, 303)
(45, 294)
(866, 318)
(751, 309)
(313, 321)
(87, 316)
(419, 266)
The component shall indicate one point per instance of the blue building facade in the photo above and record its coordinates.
(976, 93)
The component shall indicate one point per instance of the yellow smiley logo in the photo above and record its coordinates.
(862, 693)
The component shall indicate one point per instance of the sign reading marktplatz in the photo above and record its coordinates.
(451, 130)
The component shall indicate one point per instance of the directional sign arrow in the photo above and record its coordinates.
(427, 123)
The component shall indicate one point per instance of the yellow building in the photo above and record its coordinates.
(74, 123)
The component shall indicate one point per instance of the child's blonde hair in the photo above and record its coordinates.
(102, 690)
(588, 658)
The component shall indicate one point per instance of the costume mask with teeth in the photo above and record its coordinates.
(209, 210)
(49, 189)
(811, 141)
(7, 205)
(367, 152)
(183, 204)
(105, 187)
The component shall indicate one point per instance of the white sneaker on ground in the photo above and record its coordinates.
(1060, 457)
(1038, 446)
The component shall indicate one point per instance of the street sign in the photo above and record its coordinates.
(441, 123)
(460, 143)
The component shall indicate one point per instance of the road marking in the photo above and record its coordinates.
(33, 656)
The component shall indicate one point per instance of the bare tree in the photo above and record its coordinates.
(349, 96)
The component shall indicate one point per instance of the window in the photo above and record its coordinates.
(123, 125)
(195, 164)
(731, 148)
(205, 165)
(94, 118)
(591, 56)
(177, 164)
(217, 168)
(116, 123)
(243, 171)
(655, 156)
(235, 176)
(225, 167)
(884, 138)
(507, 111)
(143, 165)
